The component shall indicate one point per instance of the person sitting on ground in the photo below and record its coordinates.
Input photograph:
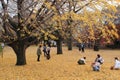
(82, 61)
(96, 65)
(116, 64)
(99, 58)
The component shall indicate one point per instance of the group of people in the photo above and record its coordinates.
(98, 62)
(46, 51)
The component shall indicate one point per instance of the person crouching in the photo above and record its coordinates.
(116, 65)
(82, 61)
(96, 65)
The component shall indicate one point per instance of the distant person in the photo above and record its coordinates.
(45, 50)
(48, 52)
(99, 58)
(2, 45)
(39, 52)
(79, 46)
(82, 47)
(116, 65)
(82, 61)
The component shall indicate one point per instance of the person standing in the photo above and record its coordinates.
(82, 47)
(45, 50)
(39, 52)
(79, 46)
(2, 45)
(48, 52)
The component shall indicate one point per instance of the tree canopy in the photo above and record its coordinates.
(25, 18)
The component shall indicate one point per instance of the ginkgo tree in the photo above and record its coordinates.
(85, 20)
(116, 41)
(25, 22)
(26, 27)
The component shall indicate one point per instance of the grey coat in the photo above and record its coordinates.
(39, 52)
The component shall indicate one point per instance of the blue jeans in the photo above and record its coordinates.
(96, 68)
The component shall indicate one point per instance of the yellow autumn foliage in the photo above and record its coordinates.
(89, 20)
(52, 37)
(48, 5)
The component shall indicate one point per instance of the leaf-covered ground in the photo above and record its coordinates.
(59, 67)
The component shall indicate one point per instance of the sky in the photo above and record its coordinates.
(113, 2)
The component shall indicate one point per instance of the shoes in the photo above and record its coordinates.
(38, 60)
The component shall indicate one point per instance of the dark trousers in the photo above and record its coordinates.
(38, 59)
(79, 48)
(45, 53)
(82, 49)
(48, 55)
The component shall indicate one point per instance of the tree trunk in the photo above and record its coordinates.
(19, 49)
(21, 58)
(96, 45)
(59, 46)
(69, 43)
